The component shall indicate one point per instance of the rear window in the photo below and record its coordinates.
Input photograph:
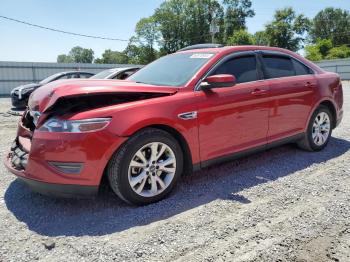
(301, 69)
(278, 66)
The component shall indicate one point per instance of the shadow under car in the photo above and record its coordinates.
(107, 214)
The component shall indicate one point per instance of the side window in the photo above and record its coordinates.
(125, 74)
(73, 75)
(68, 76)
(278, 66)
(63, 77)
(243, 68)
(83, 75)
(301, 69)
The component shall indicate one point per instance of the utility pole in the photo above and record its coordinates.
(214, 28)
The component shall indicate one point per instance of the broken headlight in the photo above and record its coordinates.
(74, 126)
(35, 115)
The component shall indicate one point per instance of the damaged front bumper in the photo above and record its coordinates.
(61, 164)
(50, 189)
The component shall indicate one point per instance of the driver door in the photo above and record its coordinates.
(233, 119)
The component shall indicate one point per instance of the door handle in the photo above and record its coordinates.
(259, 92)
(309, 85)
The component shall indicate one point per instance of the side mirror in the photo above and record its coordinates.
(217, 81)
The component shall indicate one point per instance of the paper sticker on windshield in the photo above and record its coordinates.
(201, 55)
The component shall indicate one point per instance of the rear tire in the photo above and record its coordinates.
(319, 130)
(146, 168)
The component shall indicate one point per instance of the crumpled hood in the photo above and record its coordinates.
(47, 95)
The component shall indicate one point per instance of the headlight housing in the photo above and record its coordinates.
(75, 126)
(35, 115)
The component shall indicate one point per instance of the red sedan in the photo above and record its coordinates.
(183, 112)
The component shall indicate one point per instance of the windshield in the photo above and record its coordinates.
(50, 78)
(104, 74)
(171, 70)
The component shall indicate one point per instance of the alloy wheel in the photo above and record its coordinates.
(152, 169)
(321, 128)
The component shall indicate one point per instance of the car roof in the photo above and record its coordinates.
(124, 68)
(229, 49)
(74, 72)
(226, 50)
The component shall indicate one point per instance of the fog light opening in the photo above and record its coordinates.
(67, 167)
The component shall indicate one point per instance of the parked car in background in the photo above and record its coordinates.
(20, 94)
(120, 73)
(183, 112)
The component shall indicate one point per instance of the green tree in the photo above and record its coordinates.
(81, 55)
(180, 23)
(200, 15)
(64, 59)
(241, 37)
(77, 55)
(186, 22)
(236, 13)
(147, 31)
(332, 24)
(138, 54)
(323, 49)
(339, 52)
(324, 46)
(133, 52)
(261, 38)
(147, 35)
(287, 30)
(112, 57)
(319, 50)
(313, 53)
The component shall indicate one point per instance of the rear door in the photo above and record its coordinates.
(292, 86)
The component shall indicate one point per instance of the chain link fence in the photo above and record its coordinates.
(13, 74)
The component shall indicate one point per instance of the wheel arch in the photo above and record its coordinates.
(187, 156)
(330, 105)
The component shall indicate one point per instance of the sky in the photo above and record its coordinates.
(108, 18)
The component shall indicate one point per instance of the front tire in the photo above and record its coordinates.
(319, 130)
(146, 168)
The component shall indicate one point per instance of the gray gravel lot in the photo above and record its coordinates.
(281, 205)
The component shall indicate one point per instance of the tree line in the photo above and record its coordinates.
(179, 23)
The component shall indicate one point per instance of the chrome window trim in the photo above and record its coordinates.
(258, 53)
(277, 53)
(223, 60)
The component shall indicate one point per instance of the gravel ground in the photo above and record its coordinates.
(280, 205)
